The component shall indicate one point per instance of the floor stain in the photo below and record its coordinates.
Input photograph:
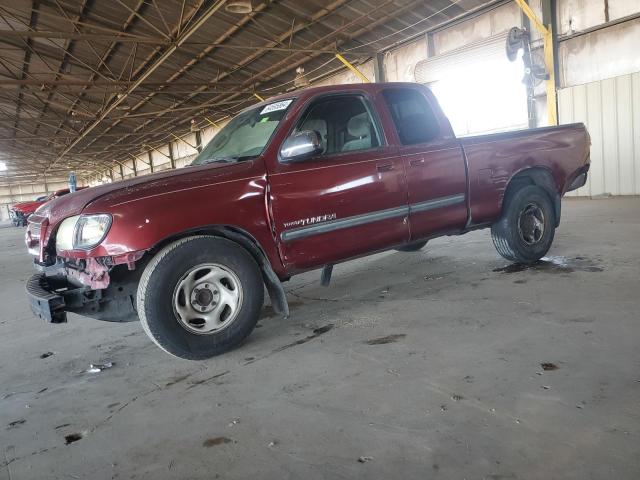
(16, 423)
(548, 366)
(178, 379)
(62, 426)
(324, 329)
(582, 320)
(268, 311)
(214, 442)
(295, 387)
(72, 437)
(46, 355)
(316, 333)
(553, 264)
(206, 380)
(385, 340)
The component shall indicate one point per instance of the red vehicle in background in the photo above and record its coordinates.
(19, 213)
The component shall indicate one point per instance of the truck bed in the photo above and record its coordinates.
(493, 159)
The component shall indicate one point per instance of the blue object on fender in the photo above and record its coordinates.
(73, 182)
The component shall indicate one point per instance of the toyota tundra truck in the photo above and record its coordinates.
(298, 182)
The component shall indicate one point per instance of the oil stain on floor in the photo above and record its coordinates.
(214, 442)
(385, 340)
(316, 333)
(553, 264)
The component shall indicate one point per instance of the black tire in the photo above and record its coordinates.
(514, 236)
(412, 247)
(159, 283)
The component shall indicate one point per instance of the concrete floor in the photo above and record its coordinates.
(432, 369)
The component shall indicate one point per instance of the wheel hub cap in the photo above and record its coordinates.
(207, 298)
(204, 297)
(531, 224)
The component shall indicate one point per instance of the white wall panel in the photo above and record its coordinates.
(347, 76)
(610, 109)
(184, 161)
(161, 158)
(207, 134)
(399, 64)
(575, 15)
(606, 53)
(490, 24)
(622, 8)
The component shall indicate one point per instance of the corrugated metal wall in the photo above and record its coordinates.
(611, 111)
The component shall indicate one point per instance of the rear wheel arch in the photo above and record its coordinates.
(539, 176)
(251, 245)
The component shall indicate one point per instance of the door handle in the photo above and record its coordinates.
(385, 168)
(417, 162)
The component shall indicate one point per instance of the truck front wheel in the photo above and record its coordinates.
(200, 297)
(525, 231)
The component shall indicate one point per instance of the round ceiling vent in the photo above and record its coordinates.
(239, 6)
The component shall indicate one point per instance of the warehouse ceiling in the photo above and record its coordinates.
(85, 84)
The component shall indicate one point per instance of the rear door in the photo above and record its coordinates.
(434, 162)
(347, 201)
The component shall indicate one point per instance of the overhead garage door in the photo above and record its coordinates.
(480, 90)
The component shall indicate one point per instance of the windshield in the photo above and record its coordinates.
(245, 136)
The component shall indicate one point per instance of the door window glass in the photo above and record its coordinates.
(344, 123)
(412, 116)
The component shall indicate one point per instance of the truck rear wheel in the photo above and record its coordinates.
(525, 231)
(200, 297)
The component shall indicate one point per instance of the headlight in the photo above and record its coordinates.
(91, 230)
(82, 232)
(64, 237)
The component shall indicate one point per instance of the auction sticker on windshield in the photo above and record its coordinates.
(274, 107)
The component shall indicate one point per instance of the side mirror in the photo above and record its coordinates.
(301, 145)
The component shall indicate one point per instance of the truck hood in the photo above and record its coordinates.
(136, 188)
(26, 207)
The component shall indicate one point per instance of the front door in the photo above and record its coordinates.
(434, 162)
(346, 201)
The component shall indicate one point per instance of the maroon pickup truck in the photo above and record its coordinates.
(299, 182)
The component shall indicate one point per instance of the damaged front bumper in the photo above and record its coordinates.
(51, 297)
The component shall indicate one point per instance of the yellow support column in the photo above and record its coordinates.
(549, 61)
(352, 67)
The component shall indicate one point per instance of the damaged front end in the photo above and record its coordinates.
(103, 288)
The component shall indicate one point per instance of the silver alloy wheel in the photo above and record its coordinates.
(531, 224)
(207, 299)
